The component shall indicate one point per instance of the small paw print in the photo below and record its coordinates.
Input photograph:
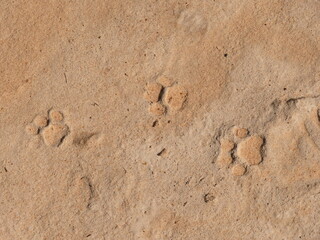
(52, 129)
(239, 151)
(164, 95)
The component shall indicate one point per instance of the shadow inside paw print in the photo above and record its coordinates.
(52, 129)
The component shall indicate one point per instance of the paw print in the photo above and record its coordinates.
(240, 151)
(51, 128)
(192, 26)
(164, 95)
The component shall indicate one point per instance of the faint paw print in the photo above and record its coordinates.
(164, 95)
(51, 128)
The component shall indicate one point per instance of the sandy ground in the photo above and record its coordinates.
(160, 120)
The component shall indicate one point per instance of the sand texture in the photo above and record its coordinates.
(159, 120)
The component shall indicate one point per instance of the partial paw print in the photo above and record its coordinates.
(192, 26)
(239, 151)
(164, 95)
(294, 142)
(51, 128)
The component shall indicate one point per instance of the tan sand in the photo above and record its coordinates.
(159, 120)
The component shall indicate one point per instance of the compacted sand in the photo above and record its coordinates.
(159, 120)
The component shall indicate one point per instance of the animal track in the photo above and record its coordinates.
(294, 142)
(243, 150)
(52, 129)
(192, 25)
(164, 95)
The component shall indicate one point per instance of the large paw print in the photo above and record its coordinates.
(240, 152)
(51, 128)
(164, 95)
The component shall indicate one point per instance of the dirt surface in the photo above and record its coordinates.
(159, 120)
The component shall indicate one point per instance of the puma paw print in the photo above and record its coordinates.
(52, 129)
(164, 95)
(241, 152)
